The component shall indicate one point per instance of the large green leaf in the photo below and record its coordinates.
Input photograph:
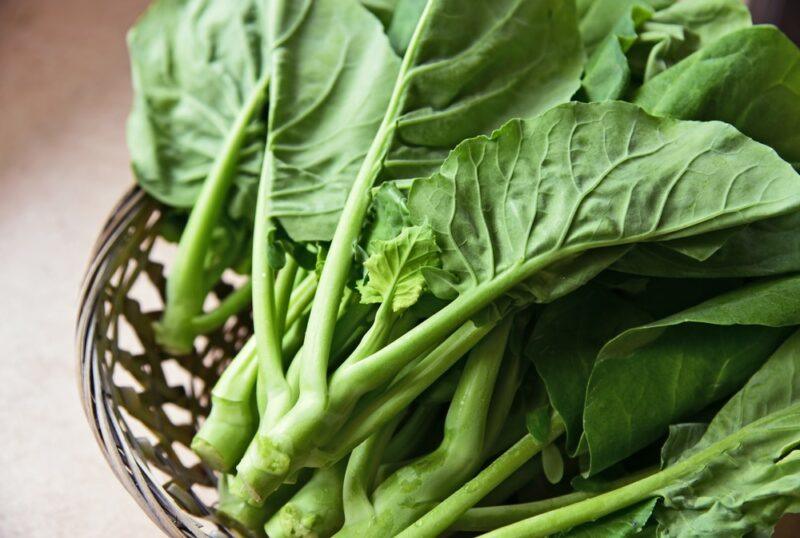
(644, 42)
(749, 78)
(195, 64)
(585, 176)
(565, 341)
(476, 68)
(753, 476)
(767, 248)
(335, 71)
(332, 78)
(651, 376)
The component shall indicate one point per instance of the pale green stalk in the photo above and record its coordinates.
(441, 517)
(359, 477)
(234, 303)
(298, 425)
(186, 286)
(607, 503)
(380, 409)
(492, 517)
(400, 498)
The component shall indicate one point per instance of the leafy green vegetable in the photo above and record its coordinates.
(673, 33)
(625, 157)
(568, 335)
(196, 138)
(762, 420)
(748, 78)
(440, 83)
(428, 189)
(651, 376)
(195, 64)
(748, 457)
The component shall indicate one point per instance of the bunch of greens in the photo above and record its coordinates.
(498, 253)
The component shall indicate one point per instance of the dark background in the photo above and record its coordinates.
(784, 13)
(64, 96)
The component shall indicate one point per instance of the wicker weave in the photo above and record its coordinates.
(142, 403)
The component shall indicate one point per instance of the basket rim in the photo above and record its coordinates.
(98, 405)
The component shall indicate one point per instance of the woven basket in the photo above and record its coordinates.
(142, 403)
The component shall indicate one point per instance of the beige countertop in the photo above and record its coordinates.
(64, 96)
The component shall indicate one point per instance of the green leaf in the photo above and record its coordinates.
(745, 488)
(654, 375)
(333, 75)
(394, 270)
(599, 18)
(476, 68)
(749, 78)
(335, 72)
(194, 65)
(565, 342)
(387, 217)
(585, 176)
(674, 33)
(607, 71)
(767, 248)
(628, 522)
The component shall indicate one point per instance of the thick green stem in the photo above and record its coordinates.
(448, 511)
(492, 517)
(234, 303)
(237, 513)
(608, 503)
(399, 500)
(315, 510)
(298, 425)
(341, 403)
(273, 389)
(283, 287)
(233, 419)
(380, 409)
(362, 468)
(380, 367)
(301, 298)
(186, 286)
